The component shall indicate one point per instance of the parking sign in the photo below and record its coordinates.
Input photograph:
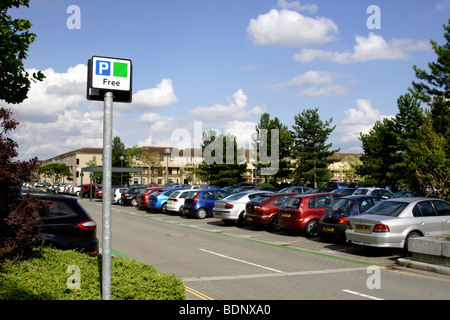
(109, 74)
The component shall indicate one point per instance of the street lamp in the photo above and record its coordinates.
(167, 165)
(121, 165)
(255, 138)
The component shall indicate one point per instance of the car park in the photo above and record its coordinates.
(66, 225)
(88, 190)
(333, 222)
(344, 191)
(232, 208)
(393, 222)
(200, 203)
(381, 192)
(302, 212)
(263, 210)
(175, 203)
(158, 201)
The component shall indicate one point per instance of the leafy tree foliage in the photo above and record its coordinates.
(221, 165)
(56, 171)
(310, 148)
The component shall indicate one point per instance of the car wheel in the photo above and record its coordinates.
(311, 229)
(180, 211)
(134, 202)
(241, 219)
(164, 208)
(201, 213)
(413, 234)
(273, 223)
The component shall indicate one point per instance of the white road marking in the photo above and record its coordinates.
(362, 295)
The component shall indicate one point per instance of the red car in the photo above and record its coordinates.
(86, 190)
(263, 210)
(302, 212)
(142, 199)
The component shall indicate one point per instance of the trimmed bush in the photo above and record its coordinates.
(49, 276)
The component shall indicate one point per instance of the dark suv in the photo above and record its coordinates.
(66, 225)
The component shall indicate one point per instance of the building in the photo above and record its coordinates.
(177, 166)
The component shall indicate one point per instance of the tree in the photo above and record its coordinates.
(19, 222)
(153, 161)
(221, 163)
(310, 148)
(14, 42)
(426, 157)
(55, 171)
(433, 87)
(283, 143)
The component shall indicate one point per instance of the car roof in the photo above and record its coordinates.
(306, 195)
(412, 199)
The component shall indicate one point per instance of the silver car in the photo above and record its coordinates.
(380, 192)
(232, 208)
(393, 222)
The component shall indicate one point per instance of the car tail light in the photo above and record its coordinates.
(349, 225)
(88, 225)
(174, 200)
(381, 228)
(229, 206)
(196, 197)
(257, 208)
(342, 220)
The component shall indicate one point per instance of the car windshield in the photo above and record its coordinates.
(361, 191)
(260, 198)
(344, 205)
(388, 208)
(191, 195)
(236, 196)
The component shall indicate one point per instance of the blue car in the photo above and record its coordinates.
(333, 221)
(200, 203)
(158, 200)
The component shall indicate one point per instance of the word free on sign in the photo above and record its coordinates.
(109, 74)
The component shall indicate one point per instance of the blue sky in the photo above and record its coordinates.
(200, 64)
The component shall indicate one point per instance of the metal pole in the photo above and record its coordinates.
(107, 176)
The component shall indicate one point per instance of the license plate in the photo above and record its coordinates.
(329, 229)
(218, 214)
(361, 227)
(186, 210)
(249, 219)
(286, 215)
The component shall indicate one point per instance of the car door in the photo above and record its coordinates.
(443, 211)
(428, 220)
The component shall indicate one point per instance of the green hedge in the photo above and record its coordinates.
(49, 276)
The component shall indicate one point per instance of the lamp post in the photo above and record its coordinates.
(167, 165)
(121, 165)
(255, 138)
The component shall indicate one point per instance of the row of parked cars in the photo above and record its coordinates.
(365, 216)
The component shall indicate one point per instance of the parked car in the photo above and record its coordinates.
(302, 212)
(158, 201)
(405, 194)
(117, 194)
(383, 193)
(129, 197)
(334, 220)
(200, 203)
(143, 197)
(295, 189)
(393, 222)
(344, 191)
(66, 225)
(232, 208)
(263, 210)
(175, 203)
(86, 190)
(243, 188)
(320, 190)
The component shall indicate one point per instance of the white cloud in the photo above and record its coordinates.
(354, 122)
(236, 109)
(290, 28)
(443, 5)
(327, 91)
(374, 47)
(312, 77)
(162, 95)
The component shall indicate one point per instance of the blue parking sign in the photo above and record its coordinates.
(103, 68)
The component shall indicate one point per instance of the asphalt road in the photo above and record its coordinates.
(218, 262)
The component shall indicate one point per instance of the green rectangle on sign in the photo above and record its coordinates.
(120, 69)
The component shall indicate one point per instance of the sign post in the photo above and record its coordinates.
(109, 79)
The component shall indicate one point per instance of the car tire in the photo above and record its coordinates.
(164, 208)
(413, 234)
(241, 218)
(201, 213)
(273, 223)
(311, 229)
(180, 211)
(134, 202)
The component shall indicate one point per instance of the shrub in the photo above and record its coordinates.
(46, 275)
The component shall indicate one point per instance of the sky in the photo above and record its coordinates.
(220, 64)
